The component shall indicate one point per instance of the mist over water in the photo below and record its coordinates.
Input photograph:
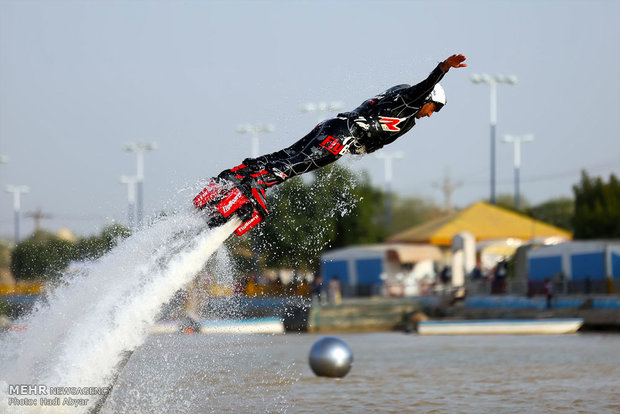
(78, 336)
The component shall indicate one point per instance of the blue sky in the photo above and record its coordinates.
(80, 78)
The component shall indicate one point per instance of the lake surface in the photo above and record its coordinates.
(392, 373)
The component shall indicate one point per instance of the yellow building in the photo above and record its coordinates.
(485, 222)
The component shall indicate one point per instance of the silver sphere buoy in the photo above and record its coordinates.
(330, 357)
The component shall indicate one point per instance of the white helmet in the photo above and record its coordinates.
(438, 96)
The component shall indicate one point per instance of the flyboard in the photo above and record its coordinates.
(232, 195)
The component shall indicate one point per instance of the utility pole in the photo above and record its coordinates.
(17, 190)
(447, 187)
(37, 216)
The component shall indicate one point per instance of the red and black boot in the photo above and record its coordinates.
(234, 193)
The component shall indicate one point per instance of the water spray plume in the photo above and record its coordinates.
(78, 336)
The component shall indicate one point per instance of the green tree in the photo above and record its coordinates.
(356, 206)
(41, 256)
(5, 254)
(558, 212)
(93, 247)
(507, 201)
(336, 209)
(597, 208)
(44, 256)
(411, 211)
(282, 238)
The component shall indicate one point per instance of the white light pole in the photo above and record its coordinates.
(387, 158)
(131, 198)
(493, 82)
(139, 148)
(17, 190)
(254, 131)
(517, 140)
(322, 108)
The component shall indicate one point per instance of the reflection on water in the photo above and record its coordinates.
(392, 372)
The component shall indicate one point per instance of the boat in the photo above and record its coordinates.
(216, 326)
(553, 326)
(256, 325)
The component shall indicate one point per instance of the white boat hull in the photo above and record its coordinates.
(243, 326)
(501, 327)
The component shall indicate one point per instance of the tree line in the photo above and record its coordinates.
(44, 255)
(331, 208)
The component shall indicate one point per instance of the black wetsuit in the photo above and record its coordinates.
(376, 122)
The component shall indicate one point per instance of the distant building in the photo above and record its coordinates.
(378, 269)
(485, 222)
(577, 266)
(66, 234)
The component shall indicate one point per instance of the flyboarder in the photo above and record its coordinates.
(375, 123)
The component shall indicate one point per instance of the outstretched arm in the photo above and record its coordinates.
(422, 89)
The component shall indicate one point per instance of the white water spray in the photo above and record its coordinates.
(77, 338)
